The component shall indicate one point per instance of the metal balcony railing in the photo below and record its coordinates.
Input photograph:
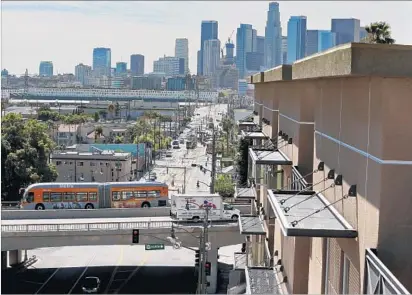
(70, 227)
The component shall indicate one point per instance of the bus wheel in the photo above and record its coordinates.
(89, 206)
(39, 207)
(195, 218)
(146, 205)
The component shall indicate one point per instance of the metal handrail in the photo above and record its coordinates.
(70, 227)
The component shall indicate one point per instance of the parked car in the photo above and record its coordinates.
(169, 154)
(91, 285)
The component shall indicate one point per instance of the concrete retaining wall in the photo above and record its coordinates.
(97, 213)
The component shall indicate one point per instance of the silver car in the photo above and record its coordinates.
(91, 285)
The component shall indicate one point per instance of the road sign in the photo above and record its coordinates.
(154, 247)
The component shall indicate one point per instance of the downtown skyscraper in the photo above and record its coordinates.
(209, 31)
(346, 30)
(246, 41)
(296, 38)
(182, 51)
(273, 37)
(102, 61)
(137, 64)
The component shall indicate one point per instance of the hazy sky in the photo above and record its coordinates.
(67, 32)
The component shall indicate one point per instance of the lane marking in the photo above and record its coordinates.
(119, 261)
(82, 274)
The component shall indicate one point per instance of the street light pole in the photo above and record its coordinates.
(213, 172)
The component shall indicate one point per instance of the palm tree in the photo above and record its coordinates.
(227, 126)
(98, 131)
(379, 33)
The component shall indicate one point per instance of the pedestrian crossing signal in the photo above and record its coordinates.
(135, 237)
(208, 266)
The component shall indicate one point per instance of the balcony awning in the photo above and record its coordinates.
(269, 157)
(245, 193)
(261, 280)
(299, 221)
(251, 225)
(246, 123)
(254, 135)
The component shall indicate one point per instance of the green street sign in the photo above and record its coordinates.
(154, 247)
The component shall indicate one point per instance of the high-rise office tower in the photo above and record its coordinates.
(46, 68)
(362, 33)
(273, 37)
(346, 30)
(137, 64)
(82, 72)
(182, 51)
(244, 44)
(319, 40)
(121, 68)
(102, 61)
(284, 50)
(260, 44)
(230, 48)
(209, 31)
(211, 57)
(296, 38)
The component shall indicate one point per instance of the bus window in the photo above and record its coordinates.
(55, 197)
(81, 197)
(127, 195)
(30, 197)
(46, 197)
(153, 194)
(116, 196)
(68, 197)
(92, 197)
(141, 194)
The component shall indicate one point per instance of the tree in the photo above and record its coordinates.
(103, 113)
(227, 126)
(224, 186)
(117, 110)
(242, 160)
(98, 131)
(26, 146)
(379, 33)
(44, 113)
(111, 109)
(96, 117)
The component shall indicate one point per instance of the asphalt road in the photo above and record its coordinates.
(185, 158)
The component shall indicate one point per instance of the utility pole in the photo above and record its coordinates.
(213, 173)
(202, 280)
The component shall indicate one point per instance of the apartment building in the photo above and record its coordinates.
(67, 134)
(96, 166)
(330, 172)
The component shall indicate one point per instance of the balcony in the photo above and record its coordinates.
(268, 157)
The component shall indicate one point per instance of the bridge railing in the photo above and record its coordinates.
(70, 227)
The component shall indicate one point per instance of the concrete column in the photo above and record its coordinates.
(15, 257)
(3, 260)
(212, 279)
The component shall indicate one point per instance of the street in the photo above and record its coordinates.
(121, 270)
(183, 157)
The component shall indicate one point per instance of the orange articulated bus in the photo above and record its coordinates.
(41, 196)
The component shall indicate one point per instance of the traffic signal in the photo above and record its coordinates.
(197, 258)
(135, 236)
(208, 267)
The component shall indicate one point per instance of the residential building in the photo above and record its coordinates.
(211, 57)
(244, 44)
(170, 65)
(102, 61)
(82, 72)
(296, 38)
(284, 50)
(149, 82)
(273, 37)
(327, 130)
(209, 31)
(46, 69)
(95, 166)
(346, 30)
(121, 69)
(362, 33)
(182, 51)
(137, 64)
(67, 134)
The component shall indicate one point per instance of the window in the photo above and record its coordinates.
(127, 195)
(46, 197)
(55, 197)
(68, 197)
(116, 196)
(227, 207)
(345, 274)
(58, 163)
(141, 195)
(92, 164)
(92, 197)
(153, 194)
(81, 197)
(80, 163)
(30, 197)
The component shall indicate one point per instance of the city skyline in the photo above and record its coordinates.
(74, 19)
